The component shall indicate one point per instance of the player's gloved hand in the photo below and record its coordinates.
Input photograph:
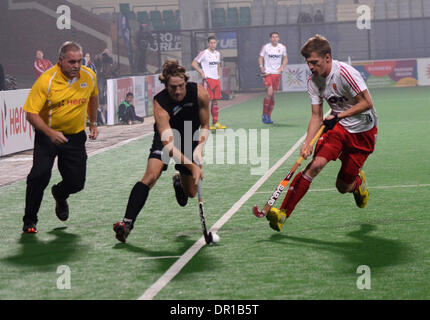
(330, 123)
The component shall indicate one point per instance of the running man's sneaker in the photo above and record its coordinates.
(212, 127)
(29, 227)
(269, 120)
(181, 197)
(122, 229)
(361, 195)
(276, 218)
(219, 126)
(61, 206)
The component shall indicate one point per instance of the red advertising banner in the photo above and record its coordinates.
(388, 73)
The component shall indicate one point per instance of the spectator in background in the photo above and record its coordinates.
(107, 64)
(304, 17)
(40, 64)
(127, 112)
(88, 63)
(2, 79)
(144, 39)
(103, 63)
(319, 17)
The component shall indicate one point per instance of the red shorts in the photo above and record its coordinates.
(351, 148)
(272, 80)
(213, 86)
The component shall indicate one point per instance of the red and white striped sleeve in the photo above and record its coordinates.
(352, 80)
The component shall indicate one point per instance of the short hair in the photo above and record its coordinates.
(172, 68)
(272, 33)
(211, 38)
(317, 44)
(69, 46)
(129, 94)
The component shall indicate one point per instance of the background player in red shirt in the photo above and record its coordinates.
(40, 64)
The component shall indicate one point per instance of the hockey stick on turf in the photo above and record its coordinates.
(281, 186)
(208, 236)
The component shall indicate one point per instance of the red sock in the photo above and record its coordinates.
(357, 183)
(271, 106)
(266, 105)
(214, 111)
(296, 191)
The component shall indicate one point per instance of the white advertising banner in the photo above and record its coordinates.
(294, 77)
(423, 66)
(16, 132)
(139, 95)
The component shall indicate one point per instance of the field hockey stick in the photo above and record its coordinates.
(208, 85)
(275, 195)
(208, 236)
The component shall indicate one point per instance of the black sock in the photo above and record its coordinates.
(136, 201)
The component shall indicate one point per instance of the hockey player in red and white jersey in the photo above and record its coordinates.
(350, 130)
(275, 58)
(210, 61)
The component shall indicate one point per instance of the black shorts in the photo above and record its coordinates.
(156, 152)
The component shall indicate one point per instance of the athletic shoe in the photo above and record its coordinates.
(29, 227)
(181, 197)
(276, 218)
(264, 118)
(122, 229)
(61, 207)
(269, 120)
(361, 195)
(212, 127)
(219, 126)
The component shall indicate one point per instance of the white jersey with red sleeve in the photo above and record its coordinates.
(273, 57)
(339, 89)
(209, 62)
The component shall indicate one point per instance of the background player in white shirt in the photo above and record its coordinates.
(210, 61)
(275, 58)
(350, 129)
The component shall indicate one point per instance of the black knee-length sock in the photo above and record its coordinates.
(136, 201)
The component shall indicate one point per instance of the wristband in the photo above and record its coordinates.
(93, 124)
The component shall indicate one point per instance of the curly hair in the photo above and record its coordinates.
(172, 68)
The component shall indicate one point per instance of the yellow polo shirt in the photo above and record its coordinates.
(62, 103)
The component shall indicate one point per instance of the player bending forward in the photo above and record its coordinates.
(350, 130)
(180, 109)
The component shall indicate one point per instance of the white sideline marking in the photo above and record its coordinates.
(155, 258)
(17, 159)
(152, 291)
(95, 152)
(369, 187)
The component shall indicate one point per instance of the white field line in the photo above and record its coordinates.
(156, 258)
(156, 287)
(370, 187)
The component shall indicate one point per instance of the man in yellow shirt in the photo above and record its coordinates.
(57, 107)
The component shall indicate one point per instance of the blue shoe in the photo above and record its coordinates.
(264, 118)
(269, 120)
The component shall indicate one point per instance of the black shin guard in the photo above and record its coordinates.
(136, 201)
